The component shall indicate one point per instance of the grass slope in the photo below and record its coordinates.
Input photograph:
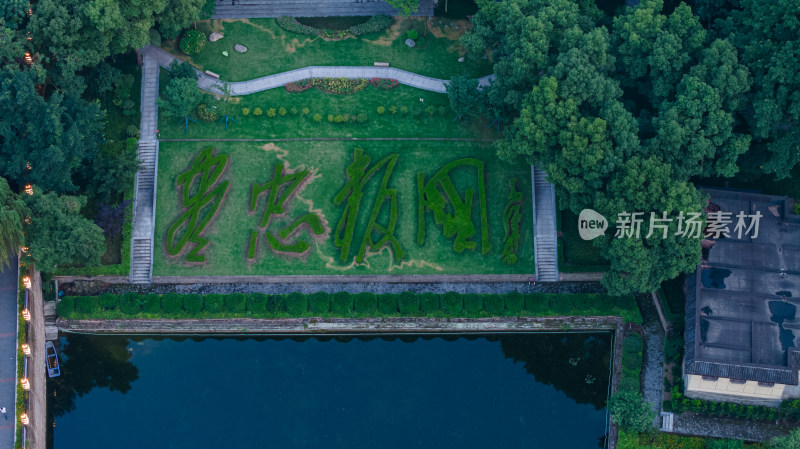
(270, 49)
(250, 162)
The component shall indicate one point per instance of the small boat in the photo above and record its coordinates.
(53, 370)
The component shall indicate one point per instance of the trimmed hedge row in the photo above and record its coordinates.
(343, 304)
(631, 362)
(789, 410)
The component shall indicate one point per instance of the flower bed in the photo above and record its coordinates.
(340, 86)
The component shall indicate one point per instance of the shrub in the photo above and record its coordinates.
(306, 111)
(381, 110)
(131, 303)
(213, 303)
(205, 113)
(629, 384)
(151, 303)
(282, 111)
(631, 362)
(429, 303)
(317, 118)
(66, 307)
(342, 303)
(408, 303)
(192, 304)
(362, 118)
(515, 303)
(108, 301)
(494, 305)
(375, 24)
(236, 303)
(192, 42)
(291, 24)
(473, 303)
(338, 119)
(724, 444)
(561, 304)
(293, 111)
(257, 112)
(271, 112)
(443, 110)
(274, 304)
(430, 110)
(384, 83)
(412, 34)
(256, 304)
(320, 302)
(404, 110)
(296, 303)
(452, 303)
(86, 305)
(245, 111)
(393, 109)
(630, 412)
(537, 305)
(345, 118)
(366, 303)
(632, 343)
(132, 131)
(387, 304)
(330, 118)
(171, 303)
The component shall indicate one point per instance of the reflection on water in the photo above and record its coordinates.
(512, 391)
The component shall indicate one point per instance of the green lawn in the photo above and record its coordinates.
(366, 101)
(251, 162)
(272, 49)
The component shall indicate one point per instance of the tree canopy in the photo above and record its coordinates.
(12, 213)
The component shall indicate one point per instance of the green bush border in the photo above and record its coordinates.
(344, 304)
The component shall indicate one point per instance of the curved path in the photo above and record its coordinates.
(208, 83)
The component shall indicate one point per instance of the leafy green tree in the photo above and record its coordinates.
(59, 235)
(225, 104)
(630, 412)
(178, 15)
(13, 12)
(182, 69)
(12, 213)
(766, 35)
(181, 97)
(791, 441)
(406, 7)
(465, 98)
(641, 263)
(112, 170)
(54, 135)
(12, 45)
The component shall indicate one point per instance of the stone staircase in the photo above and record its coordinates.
(545, 243)
(144, 199)
(245, 9)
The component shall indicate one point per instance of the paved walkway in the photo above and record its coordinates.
(545, 231)
(653, 369)
(144, 198)
(245, 9)
(207, 83)
(8, 351)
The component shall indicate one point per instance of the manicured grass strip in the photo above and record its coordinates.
(343, 304)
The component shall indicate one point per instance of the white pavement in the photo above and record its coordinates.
(207, 83)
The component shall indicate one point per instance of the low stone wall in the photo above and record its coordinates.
(248, 326)
(37, 373)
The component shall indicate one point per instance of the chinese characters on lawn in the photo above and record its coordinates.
(282, 229)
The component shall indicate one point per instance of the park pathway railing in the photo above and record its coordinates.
(145, 193)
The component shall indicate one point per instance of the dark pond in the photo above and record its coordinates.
(490, 391)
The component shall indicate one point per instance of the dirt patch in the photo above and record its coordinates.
(449, 29)
(398, 27)
(293, 44)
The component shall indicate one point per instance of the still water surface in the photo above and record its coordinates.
(498, 391)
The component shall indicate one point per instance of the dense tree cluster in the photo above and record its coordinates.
(624, 110)
(58, 78)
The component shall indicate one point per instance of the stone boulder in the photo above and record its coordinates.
(215, 36)
(240, 48)
(410, 43)
(461, 59)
